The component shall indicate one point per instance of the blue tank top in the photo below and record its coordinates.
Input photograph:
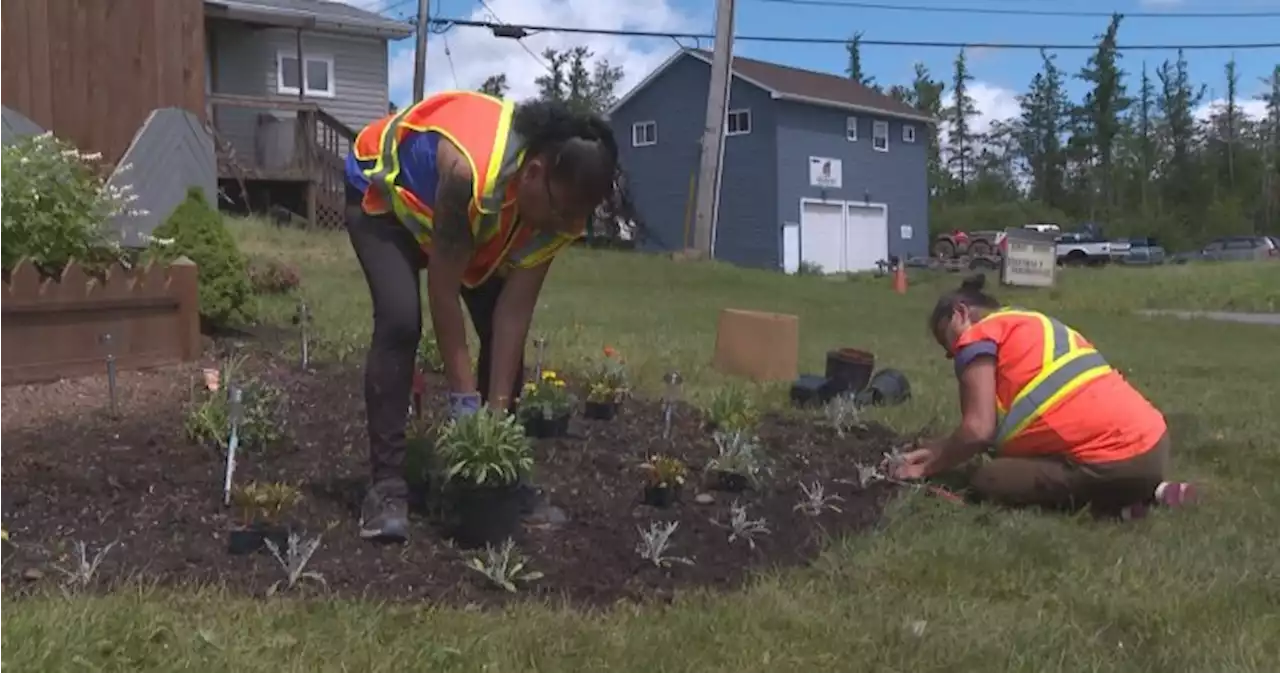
(417, 167)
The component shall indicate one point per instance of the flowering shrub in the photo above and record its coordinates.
(271, 276)
(546, 398)
(57, 205)
(608, 381)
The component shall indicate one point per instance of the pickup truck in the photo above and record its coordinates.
(1078, 249)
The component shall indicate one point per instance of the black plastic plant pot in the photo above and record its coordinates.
(731, 482)
(887, 388)
(253, 538)
(541, 427)
(485, 515)
(600, 411)
(661, 496)
(849, 370)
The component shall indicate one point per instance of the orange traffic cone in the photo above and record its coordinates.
(900, 279)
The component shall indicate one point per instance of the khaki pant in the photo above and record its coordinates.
(1057, 483)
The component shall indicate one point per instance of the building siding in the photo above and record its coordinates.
(897, 178)
(245, 64)
(766, 172)
(662, 177)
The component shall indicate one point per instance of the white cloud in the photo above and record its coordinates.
(476, 53)
(1253, 109)
(995, 102)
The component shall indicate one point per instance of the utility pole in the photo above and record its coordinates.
(420, 52)
(713, 134)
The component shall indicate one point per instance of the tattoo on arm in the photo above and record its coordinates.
(452, 215)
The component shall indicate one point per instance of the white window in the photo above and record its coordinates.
(908, 133)
(851, 129)
(880, 136)
(644, 134)
(318, 72)
(739, 123)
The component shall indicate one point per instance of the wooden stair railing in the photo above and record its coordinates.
(326, 140)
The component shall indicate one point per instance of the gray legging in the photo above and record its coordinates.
(391, 260)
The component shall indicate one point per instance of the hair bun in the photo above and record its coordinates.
(974, 283)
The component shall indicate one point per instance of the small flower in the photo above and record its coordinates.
(558, 383)
(530, 387)
(609, 351)
(548, 375)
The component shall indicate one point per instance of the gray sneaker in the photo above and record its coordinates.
(384, 515)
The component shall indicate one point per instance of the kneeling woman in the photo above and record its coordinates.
(1069, 430)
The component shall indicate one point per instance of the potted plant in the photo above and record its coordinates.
(731, 410)
(259, 507)
(485, 456)
(665, 476)
(738, 463)
(608, 387)
(545, 406)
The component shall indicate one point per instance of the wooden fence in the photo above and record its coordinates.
(67, 327)
(92, 71)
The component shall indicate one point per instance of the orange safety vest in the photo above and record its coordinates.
(1056, 394)
(480, 127)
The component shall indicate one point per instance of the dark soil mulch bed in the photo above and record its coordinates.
(71, 474)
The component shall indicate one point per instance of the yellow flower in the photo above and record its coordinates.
(548, 375)
(530, 387)
(559, 384)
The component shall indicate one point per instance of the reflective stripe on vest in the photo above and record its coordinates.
(1067, 366)
(382, 177)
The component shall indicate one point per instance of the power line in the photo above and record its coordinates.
(393, 4)
(449, 56)
(519, 41)
(521, 31)
(1023, 12)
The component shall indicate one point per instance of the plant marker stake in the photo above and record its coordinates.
(107, 342)
(419, 387)
(669, 399)
(303, 317)
(235, 409)
(540, 346)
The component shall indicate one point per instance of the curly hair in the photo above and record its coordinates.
(582, 150)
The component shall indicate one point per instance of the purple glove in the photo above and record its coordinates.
(463, 404)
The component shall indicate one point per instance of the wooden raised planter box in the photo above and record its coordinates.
(54, 328)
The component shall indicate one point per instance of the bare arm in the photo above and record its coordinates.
(511, 319)
(451, 249)
(977, 429)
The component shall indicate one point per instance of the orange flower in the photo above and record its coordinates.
(609, 351)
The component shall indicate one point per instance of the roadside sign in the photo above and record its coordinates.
(1030, 258)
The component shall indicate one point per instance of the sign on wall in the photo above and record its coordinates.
(905, 232)
(826, 173)
(1030, 258)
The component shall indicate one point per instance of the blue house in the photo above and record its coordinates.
(817, 168)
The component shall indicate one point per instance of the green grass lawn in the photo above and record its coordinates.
(939, 589)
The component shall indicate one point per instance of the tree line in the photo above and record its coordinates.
(1131, 155)
(574, 76)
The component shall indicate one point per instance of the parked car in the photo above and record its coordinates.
(1143, 251)
(1236, 249)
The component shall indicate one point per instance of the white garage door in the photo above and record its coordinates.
(866, 236)
(822, 235)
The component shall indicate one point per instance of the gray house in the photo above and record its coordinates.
(817, 168)
(289, 84)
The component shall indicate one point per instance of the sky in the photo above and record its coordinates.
(463, 57)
